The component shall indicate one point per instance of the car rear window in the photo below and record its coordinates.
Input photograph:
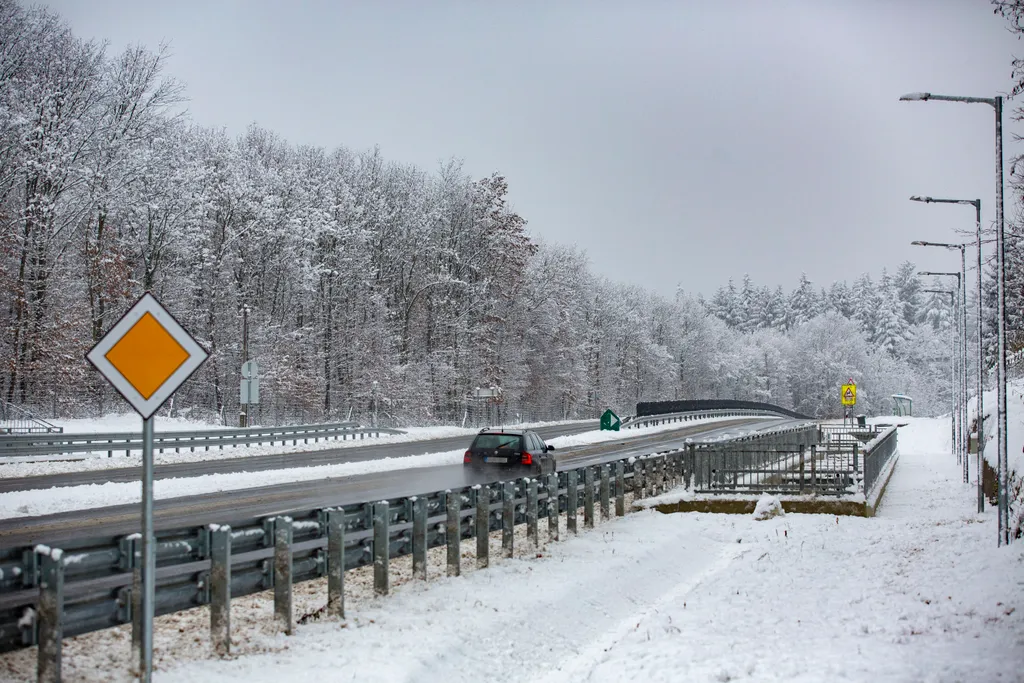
(496, 441)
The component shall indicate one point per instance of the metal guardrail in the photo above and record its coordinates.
(638, 421)
(31, 445)
(47, 594)
(877, 454)
(647, 408)
(17, 420)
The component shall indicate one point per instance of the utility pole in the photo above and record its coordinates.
(374, 385)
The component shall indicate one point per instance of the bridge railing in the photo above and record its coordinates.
(834, 461)
(639, 421)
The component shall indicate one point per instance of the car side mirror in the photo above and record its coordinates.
(548, 448)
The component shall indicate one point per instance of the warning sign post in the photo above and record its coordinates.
(146, 356)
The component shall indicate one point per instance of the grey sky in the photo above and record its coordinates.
(679, 143)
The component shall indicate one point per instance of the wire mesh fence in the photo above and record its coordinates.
(17, 420)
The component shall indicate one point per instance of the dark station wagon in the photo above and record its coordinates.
(518, 451)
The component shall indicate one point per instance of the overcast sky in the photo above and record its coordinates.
(680, 143)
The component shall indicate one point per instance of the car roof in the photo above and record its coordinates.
(489, 430)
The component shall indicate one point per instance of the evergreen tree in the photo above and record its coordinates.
(803, 303)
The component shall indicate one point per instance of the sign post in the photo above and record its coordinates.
(848, 395)
(249, 389)
(146, 356)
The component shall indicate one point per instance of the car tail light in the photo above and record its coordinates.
(468, 457)
(527, 458)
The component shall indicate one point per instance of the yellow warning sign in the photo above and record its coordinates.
(147, 355)
(849, 394)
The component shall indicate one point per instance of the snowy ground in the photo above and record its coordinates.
(919, 593)
(44, 501)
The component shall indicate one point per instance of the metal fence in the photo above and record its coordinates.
(840, 461)
(47, 593)
(17, 420)
(877, 454)
(29, 446)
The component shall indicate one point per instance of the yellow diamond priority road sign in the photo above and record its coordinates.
(147, 355)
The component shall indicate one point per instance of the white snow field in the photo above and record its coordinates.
(36, 502)
(918, 593)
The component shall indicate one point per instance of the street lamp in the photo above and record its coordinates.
(976, 203)
(997, 104)
(958, 347)
(962, 280)
(952, 366)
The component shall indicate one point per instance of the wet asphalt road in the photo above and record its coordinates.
(248, 505)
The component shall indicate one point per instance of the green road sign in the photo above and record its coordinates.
(610, 421)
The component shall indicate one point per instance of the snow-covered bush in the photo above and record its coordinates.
(768, 506)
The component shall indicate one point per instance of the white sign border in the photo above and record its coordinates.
(197, 355)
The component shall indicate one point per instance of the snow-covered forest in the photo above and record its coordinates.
(357, 271)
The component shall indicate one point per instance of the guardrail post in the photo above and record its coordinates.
(419, 538)
(814, 477)
(588, 497)
(620, 489)
(381, 549)
(605, 492)
(220, 589)
(553, 507)
(137, 605)
(531, 511)
(453, 531)
(572, 502)
(51, 616)
(336, 563)
(801, 468)
(508, 517)
(483, 525)
(283, 574)
(690, 468)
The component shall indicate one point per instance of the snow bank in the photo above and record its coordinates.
(768, 506)
(1014, 444)
(51, 501)
(100, 461)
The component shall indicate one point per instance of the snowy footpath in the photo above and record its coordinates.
(918, 593)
